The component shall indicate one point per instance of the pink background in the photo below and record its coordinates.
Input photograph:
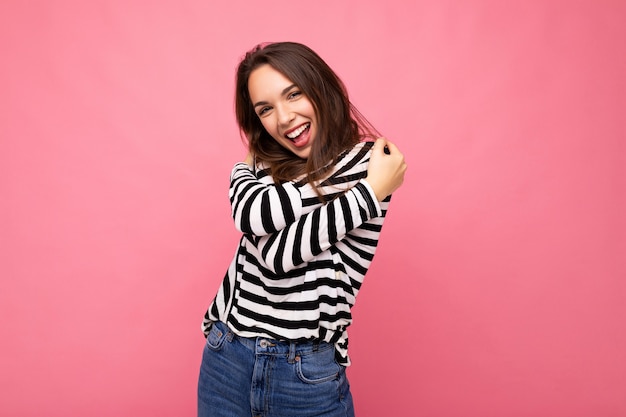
(499, 288)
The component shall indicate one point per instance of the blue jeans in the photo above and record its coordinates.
(250, 377)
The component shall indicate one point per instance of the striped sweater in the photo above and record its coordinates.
(300, 262)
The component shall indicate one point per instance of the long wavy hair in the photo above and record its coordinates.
(340, 125)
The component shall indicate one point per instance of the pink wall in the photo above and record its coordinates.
(499, 286)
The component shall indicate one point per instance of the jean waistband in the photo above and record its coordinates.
(267, 346)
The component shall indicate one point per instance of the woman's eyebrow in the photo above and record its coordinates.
(285, 91)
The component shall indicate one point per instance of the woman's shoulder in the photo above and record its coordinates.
(358, 154)
(361, 147)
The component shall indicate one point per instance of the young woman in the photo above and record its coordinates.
(310, 199)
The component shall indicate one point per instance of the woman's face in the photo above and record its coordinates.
(285, 112)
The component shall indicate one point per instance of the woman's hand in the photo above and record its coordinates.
(385, 172)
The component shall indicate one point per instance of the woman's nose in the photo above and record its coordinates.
(285, 115)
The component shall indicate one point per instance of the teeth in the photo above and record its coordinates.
(298, 131)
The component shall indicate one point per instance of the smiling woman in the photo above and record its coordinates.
(286, 114)
(310, 200)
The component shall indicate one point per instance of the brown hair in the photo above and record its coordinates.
(340, 125)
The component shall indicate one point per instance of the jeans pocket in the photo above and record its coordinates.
(318, 367)
(218, 333)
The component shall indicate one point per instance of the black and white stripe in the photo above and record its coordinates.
(300, 262)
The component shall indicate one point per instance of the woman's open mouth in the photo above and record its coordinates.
(296, 135)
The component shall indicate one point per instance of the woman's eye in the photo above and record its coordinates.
(294, 94)
(263, 111)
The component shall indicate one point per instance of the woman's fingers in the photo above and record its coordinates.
(391, 147)
(386, 169)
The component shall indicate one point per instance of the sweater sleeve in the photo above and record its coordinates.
(316, 231)
(260, 209)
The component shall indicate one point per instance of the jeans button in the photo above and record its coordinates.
(263, 343)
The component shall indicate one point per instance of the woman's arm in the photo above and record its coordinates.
(263, 210)
(260, 208)
(254, 204)
(316, 231)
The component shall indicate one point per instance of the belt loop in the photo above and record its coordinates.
(292, 352)
(316, 345)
